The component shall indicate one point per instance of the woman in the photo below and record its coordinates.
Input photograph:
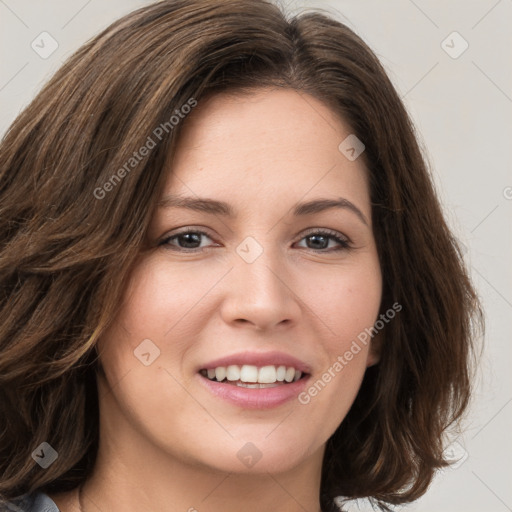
(227, 281)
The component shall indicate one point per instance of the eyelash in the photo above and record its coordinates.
(334, 235)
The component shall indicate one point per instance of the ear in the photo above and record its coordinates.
(375, 349)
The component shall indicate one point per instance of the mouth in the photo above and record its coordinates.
(255, 380)
(254, 377)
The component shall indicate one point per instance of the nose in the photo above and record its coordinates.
(260, 294)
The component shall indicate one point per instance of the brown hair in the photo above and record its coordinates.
(66, 252)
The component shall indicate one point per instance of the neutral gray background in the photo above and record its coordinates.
(462, 108)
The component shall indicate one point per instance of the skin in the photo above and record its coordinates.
(166, 442)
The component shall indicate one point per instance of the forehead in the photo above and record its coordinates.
(272, 146)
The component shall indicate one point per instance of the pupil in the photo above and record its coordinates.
(316, 237)
(188, 236)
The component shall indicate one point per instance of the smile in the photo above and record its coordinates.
(251, 376)
(253, 387)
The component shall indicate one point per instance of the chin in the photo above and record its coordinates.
(258, 454)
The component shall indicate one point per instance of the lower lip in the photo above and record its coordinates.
(255, 398)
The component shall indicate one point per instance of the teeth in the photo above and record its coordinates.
(290, 374)
(233, 372)
(267, 375)
(257, 385)
(249, 373)
(220, 373)
(259, 377)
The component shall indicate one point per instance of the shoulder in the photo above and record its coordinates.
(34, 502)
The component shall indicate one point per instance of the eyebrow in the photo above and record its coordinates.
(212, 206)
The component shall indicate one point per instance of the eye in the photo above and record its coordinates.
(189, 240)
(320, 240)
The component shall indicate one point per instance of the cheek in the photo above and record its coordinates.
(159, 301)
(162, 304)
(347, 301)
(348, 305)
(152, 317)
(157, 297)
(140, 318)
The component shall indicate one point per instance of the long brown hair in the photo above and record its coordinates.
(72, 224)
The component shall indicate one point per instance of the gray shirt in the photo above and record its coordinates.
(35, 502)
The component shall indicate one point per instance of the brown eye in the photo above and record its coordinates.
(186, 240)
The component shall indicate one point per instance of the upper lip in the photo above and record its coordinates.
(259, 359)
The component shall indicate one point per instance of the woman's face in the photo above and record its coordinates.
(264, 286)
